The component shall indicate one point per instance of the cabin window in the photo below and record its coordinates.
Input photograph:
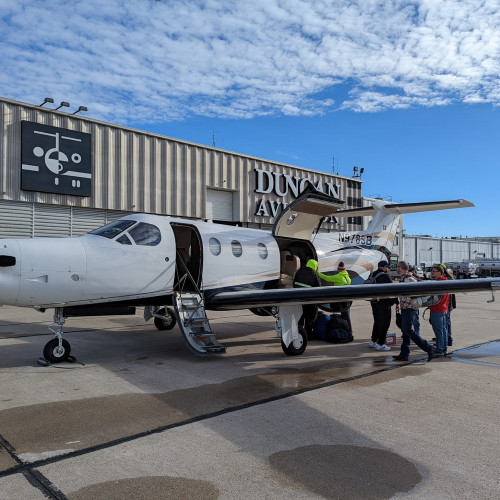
(262, 250)
(124, 240)
(114, 228)
(214, 245)
(145, 234)
(236, 248)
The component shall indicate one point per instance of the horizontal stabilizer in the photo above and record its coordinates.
(403, 208)
(326, 294)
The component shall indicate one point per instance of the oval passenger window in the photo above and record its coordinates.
(236, 248)
(214, 245)
(262, 250)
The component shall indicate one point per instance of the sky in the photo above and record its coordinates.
(407, 90)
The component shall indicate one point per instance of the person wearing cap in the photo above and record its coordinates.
(381, 309)
(340, 279)
(306, 277)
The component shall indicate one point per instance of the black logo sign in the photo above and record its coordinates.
(55, 160)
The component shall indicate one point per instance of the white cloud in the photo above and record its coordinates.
(146, 60)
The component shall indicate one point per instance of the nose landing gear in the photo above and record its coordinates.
(57, 350)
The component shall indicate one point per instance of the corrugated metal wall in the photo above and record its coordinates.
(27, 220)
(139, 172)
(423, 250)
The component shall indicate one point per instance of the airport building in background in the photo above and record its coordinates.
(64, 174)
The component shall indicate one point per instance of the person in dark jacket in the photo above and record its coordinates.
(306, 277)
(381, 310)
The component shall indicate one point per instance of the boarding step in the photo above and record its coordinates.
(194, 325)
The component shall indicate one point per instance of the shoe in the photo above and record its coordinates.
(431, 354)
(445, 352)
(372, 344)
(400, 358)
(383, 347)
(438, 354)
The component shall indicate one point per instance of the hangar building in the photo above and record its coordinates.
(63, 174)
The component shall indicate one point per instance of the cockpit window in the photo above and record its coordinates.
(145, 234)
(114, 228)
(124, 240)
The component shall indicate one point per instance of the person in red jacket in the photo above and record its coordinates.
(438, 315)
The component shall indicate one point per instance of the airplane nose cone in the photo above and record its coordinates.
(10, 274)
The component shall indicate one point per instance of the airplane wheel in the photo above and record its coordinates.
(298, 346)
(169, 322)
(54, 353)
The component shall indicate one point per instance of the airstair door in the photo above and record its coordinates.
(194, 325)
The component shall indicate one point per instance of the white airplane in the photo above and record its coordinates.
(157, 261)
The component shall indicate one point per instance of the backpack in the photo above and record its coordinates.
(320, 326)
(338, 331)
(452, 304)
(371, 280)
(339, 336)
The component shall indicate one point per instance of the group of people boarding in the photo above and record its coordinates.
(309, 276)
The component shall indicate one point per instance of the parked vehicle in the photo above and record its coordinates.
(465, 269)
(419, 272)
(427, 273)
(488, 268)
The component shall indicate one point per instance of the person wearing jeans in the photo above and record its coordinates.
(410, 322)
(438, 315)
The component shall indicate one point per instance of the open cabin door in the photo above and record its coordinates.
(299, 219)
(189, 259)
(188, 299)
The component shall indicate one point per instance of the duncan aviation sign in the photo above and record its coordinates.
(284, 185)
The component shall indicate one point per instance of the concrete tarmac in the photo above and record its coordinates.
(138, 416)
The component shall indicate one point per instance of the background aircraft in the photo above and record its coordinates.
(157, 262)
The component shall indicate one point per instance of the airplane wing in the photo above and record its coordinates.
(328, 294)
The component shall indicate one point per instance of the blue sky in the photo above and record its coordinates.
(410, 91)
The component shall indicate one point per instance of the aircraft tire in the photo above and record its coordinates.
(54, 354)
(169, 322)
(298, 346)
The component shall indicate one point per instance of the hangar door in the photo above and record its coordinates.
(219, 205)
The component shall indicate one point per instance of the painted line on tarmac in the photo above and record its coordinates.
(34, 477)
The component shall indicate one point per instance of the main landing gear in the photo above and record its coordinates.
(298, 345)
(57, 350)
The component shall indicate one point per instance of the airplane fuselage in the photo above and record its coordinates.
(137, 260)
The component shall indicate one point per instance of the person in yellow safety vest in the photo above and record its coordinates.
(340, 279)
